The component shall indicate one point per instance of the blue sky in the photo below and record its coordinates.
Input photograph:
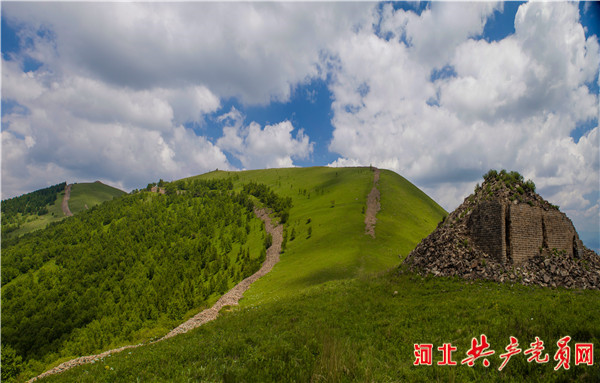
(440, 92)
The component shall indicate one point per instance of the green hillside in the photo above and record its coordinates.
(32, 211)
(91, 194)
(128, 270)
(333, 200)
(336, 309)
(23, 221)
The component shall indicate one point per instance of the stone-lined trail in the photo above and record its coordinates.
(65, 201)
(230, 298)
(373, 206)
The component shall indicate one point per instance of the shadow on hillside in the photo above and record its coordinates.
(324, 275)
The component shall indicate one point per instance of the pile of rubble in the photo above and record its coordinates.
(453, 249)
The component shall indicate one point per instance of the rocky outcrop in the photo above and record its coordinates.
(507, 233)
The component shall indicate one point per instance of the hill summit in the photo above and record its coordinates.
(506, 232)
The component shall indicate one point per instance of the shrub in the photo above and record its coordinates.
(11, 363)
(490, 175)
(268, 240)
(529, 185)
(284, 216)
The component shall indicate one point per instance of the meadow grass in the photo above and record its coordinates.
(335, 308)
(359, 330)
(331, 202)
(36, 222)
(91, 194)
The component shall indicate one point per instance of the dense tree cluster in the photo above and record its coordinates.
(31, 203)
(281, 206)
(128, 267)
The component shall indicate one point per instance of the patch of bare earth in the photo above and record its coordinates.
(65, 201)
(230, 298)
(373, 206)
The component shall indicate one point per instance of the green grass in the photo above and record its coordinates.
(91, 194)
(359, 330)
(338, 247)
(328, 310)
(83, 194)
(36, 222)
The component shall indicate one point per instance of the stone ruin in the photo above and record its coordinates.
(507, 233)
(514, 233)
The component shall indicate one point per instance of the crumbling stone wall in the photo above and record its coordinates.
(558, 232)
(514, 233)
(488, 229)
(526, 232)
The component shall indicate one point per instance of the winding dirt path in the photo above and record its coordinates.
(373, 206)
(65, 201)
(230, 298)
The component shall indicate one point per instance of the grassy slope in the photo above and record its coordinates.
(36, 222)
(322, 315)
(254, 243)
(358, 330)
(81, 194)
(338, 247)
(91, 194)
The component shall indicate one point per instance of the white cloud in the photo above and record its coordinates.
(433, 35)
(255, 51)
(78, 129)
(508, 104)
(111, 105)
(270, 147)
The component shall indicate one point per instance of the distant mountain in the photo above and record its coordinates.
(86, 195)
(35, 210)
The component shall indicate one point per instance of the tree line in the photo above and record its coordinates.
(31, 203)
(128, 269)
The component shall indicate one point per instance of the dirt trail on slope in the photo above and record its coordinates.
(373, 206)
(230, 298)
(65, 201)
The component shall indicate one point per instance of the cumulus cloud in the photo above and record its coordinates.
(433, 35)
(115, 105)
(257, 52)
(256, 147)
(75, 128)
(504, 104)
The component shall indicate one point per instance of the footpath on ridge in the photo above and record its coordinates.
(373, 206)
(65, 201)
(233, 296)
(230, 298)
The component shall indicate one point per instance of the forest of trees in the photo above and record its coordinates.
(281, 206)
(31, 203)
(128, 269)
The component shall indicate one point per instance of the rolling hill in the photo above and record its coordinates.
(86, 195)
(336, 308)
(82, 194)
